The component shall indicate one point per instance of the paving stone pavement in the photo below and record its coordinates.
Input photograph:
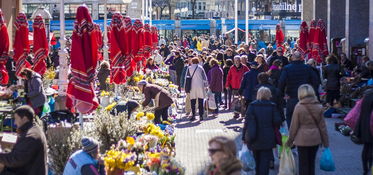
(192, 142)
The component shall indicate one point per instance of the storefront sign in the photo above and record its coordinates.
(284, 6)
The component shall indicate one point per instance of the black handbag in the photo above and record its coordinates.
(188, 81)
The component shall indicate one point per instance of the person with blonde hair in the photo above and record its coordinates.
(222, 152)
(308, 129)
(262, 117)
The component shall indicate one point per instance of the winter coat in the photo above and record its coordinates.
(303, 129)
(274, 75)
(294, 75)
(332, 74)
(229, 166)
(276, 97)
(283, 59)
(199, 81)
(262, 117)
(150, 91)
(225, 71)
(35, 91)
(215, 77)
(102, 76)
(182, 78)
(29, 154)
(235, 76)
(248, 84)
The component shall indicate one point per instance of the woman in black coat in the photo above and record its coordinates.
(262, 117)
(364, 130)
(332, 73)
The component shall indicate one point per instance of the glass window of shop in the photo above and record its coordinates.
(122, 8)
(70, 10)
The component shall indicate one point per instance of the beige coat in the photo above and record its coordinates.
(303, 130)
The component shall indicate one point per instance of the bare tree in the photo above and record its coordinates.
(162, 4)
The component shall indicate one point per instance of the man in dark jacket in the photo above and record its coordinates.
(178, 63)
(292, 76)
(279, 56)
(35, 91)
(164, 51)
(29, 154)
(249, 82)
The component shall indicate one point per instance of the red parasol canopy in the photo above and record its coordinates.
(99, 41)
(138, 41)
(4, 49)
(148, 43)
(303, 38)
(117, 50)
(280, 37)
(40, 46)
(83, 57)
(130, 35)
(21, 43)
(311, 37)
(154, 37)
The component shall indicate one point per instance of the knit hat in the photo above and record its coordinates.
(89, 144)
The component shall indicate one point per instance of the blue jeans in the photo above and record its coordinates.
(217, 100)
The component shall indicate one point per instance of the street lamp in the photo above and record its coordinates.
(46, 16)
(105, 48)
(63, 67)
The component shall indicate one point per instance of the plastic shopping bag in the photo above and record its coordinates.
(326, 160)
(247, 159)
(287, 163)
(211, 101)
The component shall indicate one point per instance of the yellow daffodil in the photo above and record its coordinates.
(111, 106)
(150, 116)
(166, 123)
(130, 140)
(139, 115)
(136, 79)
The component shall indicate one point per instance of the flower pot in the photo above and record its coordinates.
(105, 101)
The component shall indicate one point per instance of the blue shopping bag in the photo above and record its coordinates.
(326, 160)
(247, 159)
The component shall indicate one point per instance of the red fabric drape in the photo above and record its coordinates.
(130, 34)
(117, 50)
(280, 37)
(154, 37)
(99, 42)
(40, 46)
(303, 38)
(311, 37)
(138, 41)
(323, 46)
(84, 48)
(21, 44)
(4, 49)
(148, 42)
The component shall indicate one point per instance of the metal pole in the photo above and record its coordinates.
(236, 21)
(146, 9)
(63, 68)
(247, 22)
(151, 12)
(106, 49)
(142, 10)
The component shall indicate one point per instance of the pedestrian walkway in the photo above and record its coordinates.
(192, 143)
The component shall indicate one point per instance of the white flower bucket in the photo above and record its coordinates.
(105, 101)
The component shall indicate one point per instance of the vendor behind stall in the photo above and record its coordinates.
(35, 91)
(161, 97)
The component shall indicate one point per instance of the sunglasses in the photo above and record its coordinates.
(213, 151)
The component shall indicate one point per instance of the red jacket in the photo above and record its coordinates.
(235, 76)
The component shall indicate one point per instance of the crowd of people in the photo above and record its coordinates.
(256, 85)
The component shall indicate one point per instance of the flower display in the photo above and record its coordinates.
(150, 116)
(111, 106)
(104, 94)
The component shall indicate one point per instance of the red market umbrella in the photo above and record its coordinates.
(280, 37)
(303, 38)
(4, 49)
(311, 37)
(99, 41)
(21, 44)
(40, 46)
(323, 52)
(148, 43)
(138, 41)
(130, 35)
(117, 56)
(84, 48)
(154, 37)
